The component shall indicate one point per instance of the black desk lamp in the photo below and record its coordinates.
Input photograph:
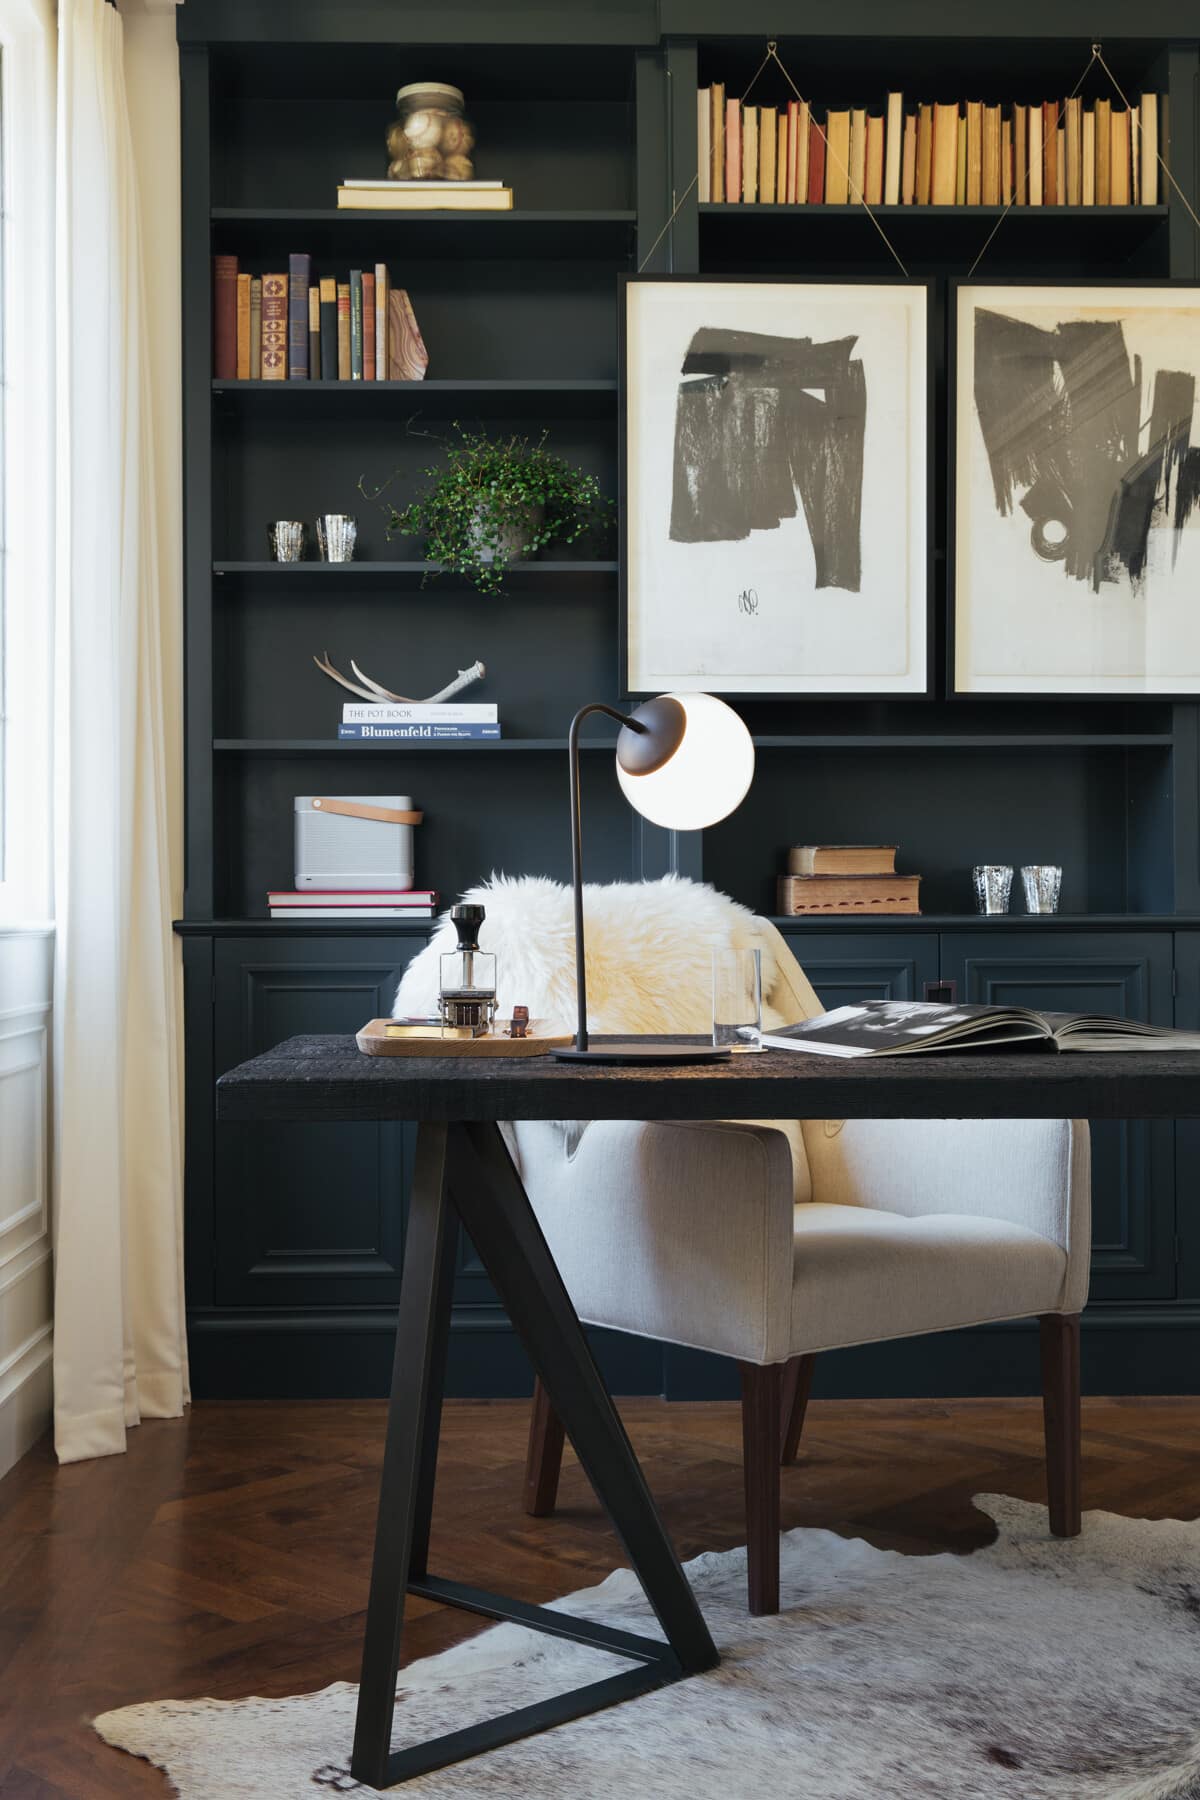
(684, 761)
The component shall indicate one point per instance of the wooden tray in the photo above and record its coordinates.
(387, 1037)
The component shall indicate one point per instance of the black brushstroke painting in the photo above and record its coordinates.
(1061, 410)
(760, 420)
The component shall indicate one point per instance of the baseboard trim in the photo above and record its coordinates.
(26, 1398)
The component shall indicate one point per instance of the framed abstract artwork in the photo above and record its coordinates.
(1076, 489)
(776, 486)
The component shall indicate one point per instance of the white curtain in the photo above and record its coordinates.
(120, 1351)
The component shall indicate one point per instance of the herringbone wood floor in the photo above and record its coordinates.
(228, 1554)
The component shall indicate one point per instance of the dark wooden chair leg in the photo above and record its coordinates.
(762, 1405)
(543, 1461)
(1060, 1405)
(797, 1385)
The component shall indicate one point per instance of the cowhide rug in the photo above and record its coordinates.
(1035, 1669)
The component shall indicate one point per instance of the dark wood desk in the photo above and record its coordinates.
(462, 1163)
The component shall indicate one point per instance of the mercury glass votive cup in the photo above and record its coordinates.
(993, 885)
(1042, 883)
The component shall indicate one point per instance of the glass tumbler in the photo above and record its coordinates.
(993, 885)
(737, 999)
(1042, 883)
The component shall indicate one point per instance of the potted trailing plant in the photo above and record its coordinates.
(492, 500)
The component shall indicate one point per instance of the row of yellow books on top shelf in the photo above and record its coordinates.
(1049, 153)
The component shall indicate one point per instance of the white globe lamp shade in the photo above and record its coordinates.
(690, 765)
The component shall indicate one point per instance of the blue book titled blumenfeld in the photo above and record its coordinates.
(438, 734)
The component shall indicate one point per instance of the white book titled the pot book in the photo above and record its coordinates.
(913, 1027)
(420, 712)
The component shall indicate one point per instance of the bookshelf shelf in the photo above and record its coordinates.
(363, 573)
(438, 398)
(894, 741)
(412, 747)
(602, 233)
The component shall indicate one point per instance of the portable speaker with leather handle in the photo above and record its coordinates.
(354, 840)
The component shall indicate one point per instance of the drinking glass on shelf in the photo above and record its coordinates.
(1042, 883)
(993, 884)
(737, 999)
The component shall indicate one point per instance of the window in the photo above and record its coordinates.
(27, 309)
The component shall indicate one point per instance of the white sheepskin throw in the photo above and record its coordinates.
(1038, 1668)
(649, 952)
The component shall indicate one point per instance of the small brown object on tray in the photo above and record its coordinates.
(401, 1037)
(519, 1024)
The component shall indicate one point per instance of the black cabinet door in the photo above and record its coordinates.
(306, 1215)
(1127, 974)
(1187, 1132)
(853, 964)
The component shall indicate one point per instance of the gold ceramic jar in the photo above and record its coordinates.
(430, 140)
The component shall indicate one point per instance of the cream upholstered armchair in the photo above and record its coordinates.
(773, 1241)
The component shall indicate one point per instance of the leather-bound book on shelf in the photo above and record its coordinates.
(960, 172)
(924, 153)
(858, 154)
(368, 324)
(383, 282)
(1050, 152)
(750, 155)
(1060, 169)
(837, 158)
(274, 327)
(299, 276)
(816, 163)
(329, 328)
(1020, 155)
(875, 133)
(256, 328)
(990, 183)
(782, 153)
(703, 145)
(829, 895)
(225, 290)
(793, 139)
(314, 331)
(842, 859)
(1074, 139)
(1087, 171)
(356, 325)
(242, 371)
(408, 358)
(944, 175)
(343, 331)
(1135, 155)
(733, 151)
(1007, 170)
(1118, 173)
(717, 141)
(1035, 156)
(802, 148)
(767, 145)
(1148, 116)
(893, 149)
(974, 152)
(908, 161)
(1103, 152)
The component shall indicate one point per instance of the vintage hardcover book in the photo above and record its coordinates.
(225, 290)
(256, 328)
(767, 145)
(1060, 169)
(1074, 144)
(943, 179)
(837, 158)
(733, 150)
(1006, 162)
(383, 282)
(990, 182)
(368, 324)
(314, 331)
(274, 327)
(1035, 156)
(840, 859)
(912, 1027)
(858, 153)
(803, 146)
(408, 358)
(1135, 156)
(793, 139)
(1020, 155)
(356, 325)
(1050, 152)
(816, 163)
(299, 277)
(828, 895)
(716, 94)
(329, 328)
(1148, 116)
(750, 155)
(242, 370)
(782, 154)
(1104, 137)
(974, 152)
(1087, 178)
(960, 172)
(343, 330)
(924, 153)
(875, 131)
(908, 161)
(703, 145)
(430, 196)
(893, 149)
(1118, 151)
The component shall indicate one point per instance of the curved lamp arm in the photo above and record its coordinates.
(595, 706)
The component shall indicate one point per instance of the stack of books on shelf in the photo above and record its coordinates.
(288, 327)
(424, 196)
(440, 722)
(1047, 153)
(846, 878)
(303, 904)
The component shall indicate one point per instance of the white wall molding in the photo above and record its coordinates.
(26, 1266)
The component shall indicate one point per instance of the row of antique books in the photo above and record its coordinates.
(288, 327)
(1050, 153)
(836, 879)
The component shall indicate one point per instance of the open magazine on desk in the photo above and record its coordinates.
(915, 1027)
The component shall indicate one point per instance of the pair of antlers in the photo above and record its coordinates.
(367, 689)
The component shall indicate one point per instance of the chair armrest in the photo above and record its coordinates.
(682, 1232)
(1030, 1172)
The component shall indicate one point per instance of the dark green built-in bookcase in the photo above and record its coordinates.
(587, 107)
